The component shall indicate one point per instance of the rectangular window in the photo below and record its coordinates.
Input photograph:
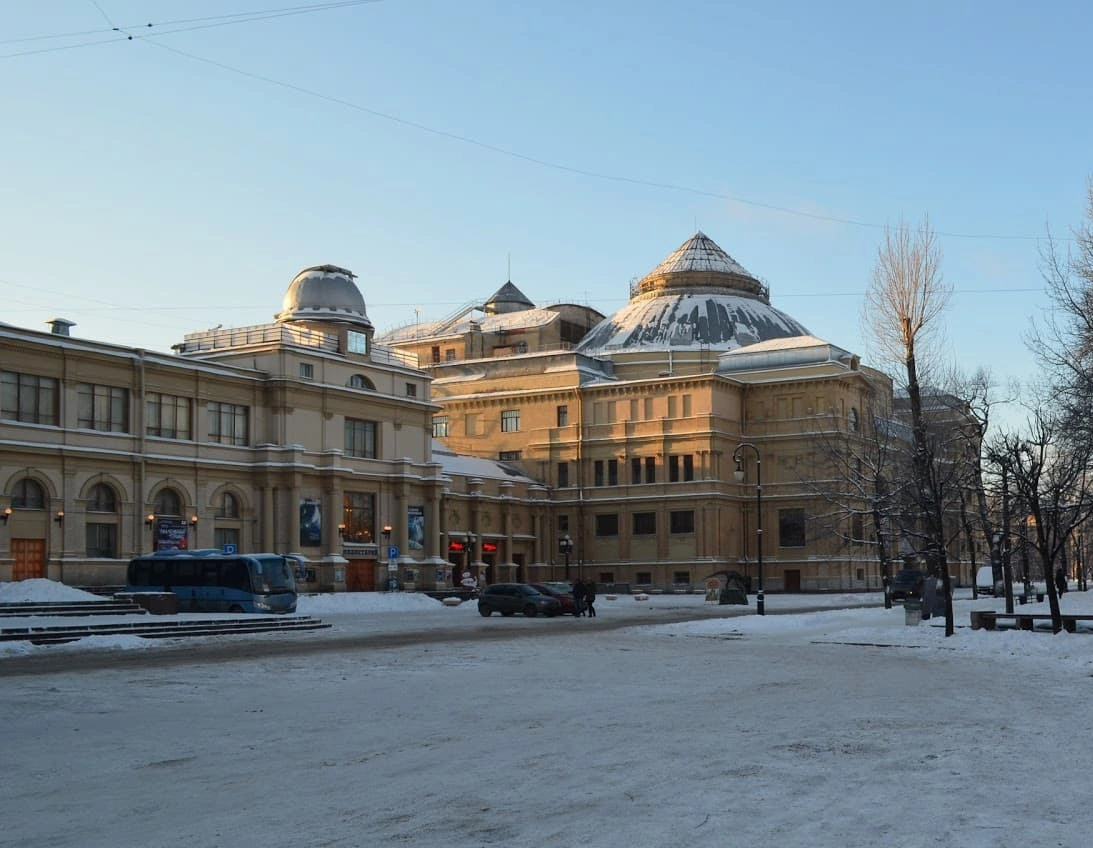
(441, 426)
(449, 354)
(673, 469)
(672, 406)
(563, 475)
(644, 578)
(612, 472)
(411, 390)
(359, 517)
(472, 423)
(167, 416)
(634, 410)
(563, 415)
(610, 412)
(688, 467)
(357, 342)
(510, 456)
(229, 423)
(687, 406)
(307, 371)
(681, 578)
(650, 469)
(102, 540)
(435, 352)
(510, 420)
(683, 521)
(645, 523)
(28, 398)
(103, 408)
(360, 438)
(647, 405)
(791, 528)
(607, 525)
(597, 473)
(563, 524)
(635, 470)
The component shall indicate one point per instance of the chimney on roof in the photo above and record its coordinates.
(60, 326)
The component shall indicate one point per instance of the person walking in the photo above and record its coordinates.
(578, 599)
(590, 598)
(1060, 581)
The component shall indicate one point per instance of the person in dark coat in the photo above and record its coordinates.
(578, 598)
(590, 598)
(1060, 581)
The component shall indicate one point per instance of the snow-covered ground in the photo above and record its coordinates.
(834, 728)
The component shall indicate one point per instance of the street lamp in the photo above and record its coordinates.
(565, 547)
(759, 606)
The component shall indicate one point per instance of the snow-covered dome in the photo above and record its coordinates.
(324, 293)
(698, 297)
(506, 299)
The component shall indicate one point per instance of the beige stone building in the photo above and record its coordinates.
(634, 427)
(300, 436)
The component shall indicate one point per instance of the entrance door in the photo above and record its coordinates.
(360, 575)
(792, 580)
(29, 557)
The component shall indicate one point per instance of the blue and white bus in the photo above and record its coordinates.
(210, 581)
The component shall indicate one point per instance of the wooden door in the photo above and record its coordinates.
(29, 557)
(360, 575)
(792, 580)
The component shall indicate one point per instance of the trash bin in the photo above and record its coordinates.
(912, 612)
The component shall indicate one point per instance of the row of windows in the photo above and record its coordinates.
(791, 525)
(29, 494)
(681, 468)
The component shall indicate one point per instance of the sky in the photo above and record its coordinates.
(166, 179)
(842, 727)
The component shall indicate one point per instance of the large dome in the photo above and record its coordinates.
(699, 297)
(324, 293)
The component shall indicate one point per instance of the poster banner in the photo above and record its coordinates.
(311, 523)
(172, 534)
(415, 528)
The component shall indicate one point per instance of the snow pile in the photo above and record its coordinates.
(349, 602)
(40, 590)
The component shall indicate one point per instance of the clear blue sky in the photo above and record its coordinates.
(179, 180)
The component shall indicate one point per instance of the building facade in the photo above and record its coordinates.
(301, 436)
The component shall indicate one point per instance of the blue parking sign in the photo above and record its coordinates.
(229, 548)
(392, 552)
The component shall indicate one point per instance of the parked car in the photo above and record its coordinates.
(907, 583)
(985, 584)
(509, 598)
(562, 591)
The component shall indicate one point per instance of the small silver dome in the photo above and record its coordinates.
(324, 293)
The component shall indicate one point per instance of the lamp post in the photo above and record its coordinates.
(565, 547)
(392, 580)
(759, 605)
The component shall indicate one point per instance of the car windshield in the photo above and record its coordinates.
(910, 577)
(546, 590)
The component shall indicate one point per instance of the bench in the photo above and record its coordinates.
(989, 619)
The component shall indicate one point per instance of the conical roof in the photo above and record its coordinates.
(699, 296)
(508, 298)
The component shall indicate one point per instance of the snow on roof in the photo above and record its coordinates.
(475, 466)
(699, 253)
(525, 318)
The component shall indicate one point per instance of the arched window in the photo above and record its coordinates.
(28, 494)
(853, 419)
(101, 499)
(228, 506)
(168, 503)
(359, 381)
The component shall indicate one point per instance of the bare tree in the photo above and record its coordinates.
(904, 303)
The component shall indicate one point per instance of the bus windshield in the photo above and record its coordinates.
(272, 575)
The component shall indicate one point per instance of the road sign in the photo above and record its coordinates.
(392, 552)
(229, 549)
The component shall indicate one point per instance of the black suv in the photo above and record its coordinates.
(508, 598)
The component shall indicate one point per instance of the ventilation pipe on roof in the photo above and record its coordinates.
(60, 326)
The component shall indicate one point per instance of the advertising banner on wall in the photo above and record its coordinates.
(171, 534)
(415, 528)
(311, 523)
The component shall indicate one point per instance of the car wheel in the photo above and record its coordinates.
(531, 611)
(483, 611)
